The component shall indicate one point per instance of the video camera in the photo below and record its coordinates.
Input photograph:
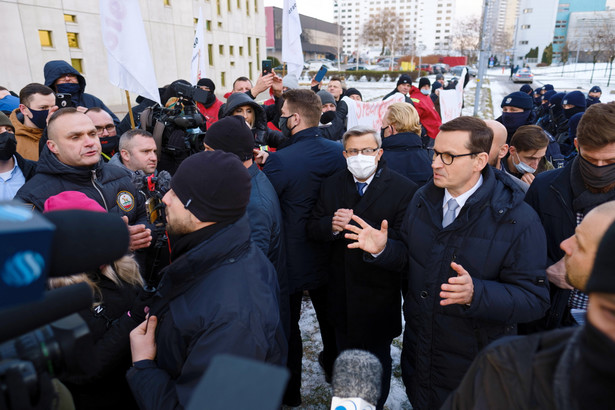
(178, 129)
(41, 333)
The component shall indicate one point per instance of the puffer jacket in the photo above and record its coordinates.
(110, 186)
(219, 297)
(499, 240)
(404, 153)
(54, 70)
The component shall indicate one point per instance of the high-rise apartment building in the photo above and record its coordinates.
(428, 25)
(534, 28)
(70, 30)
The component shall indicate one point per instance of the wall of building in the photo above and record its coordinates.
(234, 30)
(565, 8)
(534, 28)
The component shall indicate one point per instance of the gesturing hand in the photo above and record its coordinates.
(369, 239)
(556, 274)
(459, 289)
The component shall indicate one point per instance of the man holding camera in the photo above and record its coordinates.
(71, 162)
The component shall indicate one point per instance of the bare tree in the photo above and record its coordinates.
(385, 27)
(466, 37)
(594, 42)
(564, 55)
(608, 46)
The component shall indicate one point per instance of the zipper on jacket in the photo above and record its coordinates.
(95, 185)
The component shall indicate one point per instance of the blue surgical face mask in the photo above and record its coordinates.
(68, 88)
(513, 120)
(522, 167)
(39, 117)
(425, 92)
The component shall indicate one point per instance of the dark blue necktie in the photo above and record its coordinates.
(361, 187)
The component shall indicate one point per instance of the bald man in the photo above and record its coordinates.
(499, 149)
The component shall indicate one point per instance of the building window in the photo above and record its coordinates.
(219, 24)
(240, 50)
(256, 6)
(218, 8)
(221, 49)
(525, 26)
(73, 40)
(231, 50)
(248, 8)
(208, 25)
(250, 70)
(526, 11)
(70, 18)
(258, 49)
(223, 79)
(228, 5)
(77, 64)
(523, 42)
(250, 46)
(167, 3)
(210, 53)
(45, 38)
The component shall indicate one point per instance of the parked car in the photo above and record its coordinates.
(426, 67)
(440, 68)
(459, 68)
(364, 67)
(523, 75)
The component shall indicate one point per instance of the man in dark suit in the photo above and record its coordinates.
(296, 173)
(365, 300)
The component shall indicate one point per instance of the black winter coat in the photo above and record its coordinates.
(498, 239)
(404, 153)
(296, 173)
(365, 300)
(219, 297)
(109, 185)
(55, 69)
(105, 386)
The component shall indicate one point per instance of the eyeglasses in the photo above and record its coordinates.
(110, 128)
(365, 151)
(446, 158)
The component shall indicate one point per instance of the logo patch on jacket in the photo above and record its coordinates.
(125, 200)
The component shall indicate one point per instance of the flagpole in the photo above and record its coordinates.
(132, 117)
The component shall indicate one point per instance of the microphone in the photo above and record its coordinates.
(55, 305)
(85, 240)
(357, 380)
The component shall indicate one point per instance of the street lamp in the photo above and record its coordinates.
(339, 20)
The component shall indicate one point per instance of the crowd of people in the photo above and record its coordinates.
(474, 229)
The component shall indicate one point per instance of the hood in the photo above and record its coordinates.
(54, 70)
(237, 100)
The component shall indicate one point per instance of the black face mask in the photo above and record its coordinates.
(284, 128)
(556, 110)
(109, 144)
(572, 111)
(8, 145)
(596, 176)
(382, 130)
(513, 120)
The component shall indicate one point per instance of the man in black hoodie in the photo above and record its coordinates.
(61, 77)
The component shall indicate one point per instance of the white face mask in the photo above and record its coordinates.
(425, 91)
(362, 166)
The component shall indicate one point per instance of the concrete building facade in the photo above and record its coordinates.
(37, 31)
(534, 28)
(564, 10)
(428, 25)
(584, 28)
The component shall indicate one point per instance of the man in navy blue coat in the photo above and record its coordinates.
(296, 173)
(475, 254)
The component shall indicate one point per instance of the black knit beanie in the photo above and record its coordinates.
(602, 278)
(231, 134)
(213, 185)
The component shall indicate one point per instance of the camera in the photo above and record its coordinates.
(64, 100)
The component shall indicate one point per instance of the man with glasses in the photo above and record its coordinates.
(475, 257)
(296, 173)
(105, 129)
(365, 301)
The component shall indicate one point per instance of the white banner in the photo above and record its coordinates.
(369, 114)
(451, 101)
(197, 65)
(129, 59)
(292, 53)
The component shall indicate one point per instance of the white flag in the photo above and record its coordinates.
(451, 101)
(129, 59)
(292, 53)
(197, 65)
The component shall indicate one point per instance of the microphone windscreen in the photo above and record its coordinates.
(357, 373)
(55, 305)
(85, 240)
